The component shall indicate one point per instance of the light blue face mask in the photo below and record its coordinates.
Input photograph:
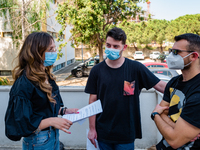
(112, 54)
(50, 58)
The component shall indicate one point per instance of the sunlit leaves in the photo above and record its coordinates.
(91, 19)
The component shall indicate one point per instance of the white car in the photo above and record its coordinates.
(154, 55)
(138, 55)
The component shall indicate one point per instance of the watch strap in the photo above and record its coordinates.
(153, 115)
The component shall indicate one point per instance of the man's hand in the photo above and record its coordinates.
(92, 134)
(160, 109)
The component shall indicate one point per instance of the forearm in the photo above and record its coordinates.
(160, 86)
(45, 123)
(92, 123)
(167, 120)
(92, 119)
(165, 129)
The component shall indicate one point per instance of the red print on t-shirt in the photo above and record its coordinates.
(129, 88)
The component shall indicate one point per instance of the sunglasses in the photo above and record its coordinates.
(175, 51)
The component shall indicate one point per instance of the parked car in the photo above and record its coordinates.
(155, 64)
(162, 77)
(97, 56)
(154, 55)
(83, 69)
(138, 55)
(164, 71)
(165, 60)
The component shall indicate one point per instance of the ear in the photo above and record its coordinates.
(195, 55)
(125, 46)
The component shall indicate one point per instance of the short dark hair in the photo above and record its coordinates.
(193, 39)
(117, 34)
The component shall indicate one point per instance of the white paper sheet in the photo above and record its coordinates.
(90, 146)
(85, 112)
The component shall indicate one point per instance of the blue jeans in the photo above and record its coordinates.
(44, 140)
(109, 146)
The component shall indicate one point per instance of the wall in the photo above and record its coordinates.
(53, 26)
(7, 53)
(74, 97)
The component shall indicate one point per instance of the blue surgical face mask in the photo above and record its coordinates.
(112, 54)
(50, 58)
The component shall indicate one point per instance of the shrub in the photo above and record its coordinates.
(161, 57)
(4, 81)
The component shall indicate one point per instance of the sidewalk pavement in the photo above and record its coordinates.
(65, 72)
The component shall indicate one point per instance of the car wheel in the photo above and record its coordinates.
(79, 74)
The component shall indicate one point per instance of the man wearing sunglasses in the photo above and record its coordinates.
(177, 117)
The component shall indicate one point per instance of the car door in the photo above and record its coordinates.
(88, 67)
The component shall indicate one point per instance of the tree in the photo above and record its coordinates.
(157, 30)
(130, 30)
(183, 24)
(91, 19)
(24, 16)
(138, 34)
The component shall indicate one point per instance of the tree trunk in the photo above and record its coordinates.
(136, 49)
(23, 21)
(161, 48)
(100, 46)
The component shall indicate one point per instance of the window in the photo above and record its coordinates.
(49, 32)
(58, 66)
(7, 34)
(5, 73)
(166, 73)
(90, 63)
(70, 61)
(54, 35)
(160, 66)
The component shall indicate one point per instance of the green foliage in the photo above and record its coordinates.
(150, 47)
(161, 56)
(183, 24)
(4, 81)
(91, 19)
(141, 34)
(34, 14)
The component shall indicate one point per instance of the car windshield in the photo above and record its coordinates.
(156, 53)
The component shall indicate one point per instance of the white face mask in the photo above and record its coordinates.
(176, 61)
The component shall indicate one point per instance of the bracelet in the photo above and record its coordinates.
(63, 110)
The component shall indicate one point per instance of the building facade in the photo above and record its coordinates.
(8, 52)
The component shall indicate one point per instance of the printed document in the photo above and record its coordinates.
(85, 112)
(90, 146)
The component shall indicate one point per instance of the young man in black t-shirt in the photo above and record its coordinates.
(117, 82)
(178, 115)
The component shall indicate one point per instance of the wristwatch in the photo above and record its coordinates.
(153, 115)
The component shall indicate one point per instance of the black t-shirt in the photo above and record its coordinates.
(119, 89)
(184, 99)
(27, 106)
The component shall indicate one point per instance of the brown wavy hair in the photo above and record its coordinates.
(30, 60)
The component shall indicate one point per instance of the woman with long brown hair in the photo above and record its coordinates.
(35, 100)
